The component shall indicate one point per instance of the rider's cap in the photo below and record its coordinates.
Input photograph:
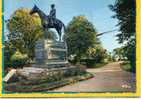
(52, 5)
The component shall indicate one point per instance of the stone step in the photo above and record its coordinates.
(50, 65)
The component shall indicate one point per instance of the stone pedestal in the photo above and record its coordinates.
(50, 53)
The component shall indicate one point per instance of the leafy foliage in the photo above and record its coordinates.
(126, 66)
(15, 59)
(18, 59)
(119, 53)
(97, 53)
(9, 50)
(126, 14)
(24, 30)
(129, 52)
(80, 35)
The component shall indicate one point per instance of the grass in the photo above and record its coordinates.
(126, 66)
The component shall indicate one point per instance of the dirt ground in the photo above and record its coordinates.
(109, 78)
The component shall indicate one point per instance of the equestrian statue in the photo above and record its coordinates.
(49, 21)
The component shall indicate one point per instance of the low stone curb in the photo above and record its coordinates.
(53, 85)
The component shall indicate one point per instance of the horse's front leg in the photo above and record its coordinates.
(45, 30)
(44, 27)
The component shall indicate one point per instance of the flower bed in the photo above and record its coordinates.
(41, 86)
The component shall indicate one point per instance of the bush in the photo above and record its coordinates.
(17, 60)
(70, 72)
(88, 62)
(78, 70)
(92, 63)
(126, 65)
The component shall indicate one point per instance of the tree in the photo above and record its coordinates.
(24, 31)
(97, 53)
(126, 14)
(130, 53)
(8, 52)
(80, 35)
(119, 53)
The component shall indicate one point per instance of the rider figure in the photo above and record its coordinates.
(52, 14)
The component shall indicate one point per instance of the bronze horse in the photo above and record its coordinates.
(45, 21)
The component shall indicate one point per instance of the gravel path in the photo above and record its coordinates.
(109, 78)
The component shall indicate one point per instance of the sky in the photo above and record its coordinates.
(96, 11)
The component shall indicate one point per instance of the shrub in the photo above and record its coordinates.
(88, 62)
(17, 60)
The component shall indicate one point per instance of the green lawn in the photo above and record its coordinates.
(126, 66)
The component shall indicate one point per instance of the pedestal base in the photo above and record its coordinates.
(50, 54)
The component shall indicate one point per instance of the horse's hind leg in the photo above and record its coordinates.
(59, 33)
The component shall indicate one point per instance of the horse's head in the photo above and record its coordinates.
(34, 10)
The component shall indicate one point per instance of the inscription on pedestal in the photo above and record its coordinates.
(39, 52)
